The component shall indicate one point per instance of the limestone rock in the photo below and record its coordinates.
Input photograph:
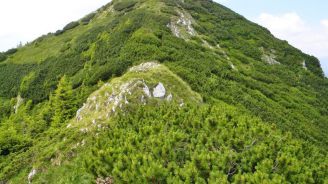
(146, 90)
(144, 67)
(107, 180)
(233, 67)
(159, 91)
(31, 175)
(304, 65)
(270, 59)
(175, 30)
(206, 44)
(169, 97)
(19, 102)
(129, 89)
(181, 26)
(186, 21)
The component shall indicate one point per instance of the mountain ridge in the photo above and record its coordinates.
(239, 105)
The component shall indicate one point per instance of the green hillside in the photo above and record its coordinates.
(162, 91)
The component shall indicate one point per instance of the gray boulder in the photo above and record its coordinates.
(159, 91)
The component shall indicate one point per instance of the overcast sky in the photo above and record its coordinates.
(302, 23)
(26, 20)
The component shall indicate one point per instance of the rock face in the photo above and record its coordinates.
(304, 65)
(186, 21)
(181, 26)
(233, 66)
(269, 56)
(144, 67)
(270, 59)
(19, 102)
(114, 97)
(207, 45)
(107, 180)
(159, 91)
(31, 175)
(147, 91)
(169, 97)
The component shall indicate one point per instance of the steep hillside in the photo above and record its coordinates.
(148, 126)
(162, 91)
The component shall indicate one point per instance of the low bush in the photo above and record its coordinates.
(71, 25)
(85, 20)
(2, 57)
(11, 51)
(124, 5)
(58, 32)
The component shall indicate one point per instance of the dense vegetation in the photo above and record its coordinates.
(2, 56)
(170, 144)
(260, 122)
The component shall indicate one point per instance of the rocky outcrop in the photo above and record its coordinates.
(140, 85)
(107, 180)
(31, 175)
(19, 102)
(186, 21)
(304, 65)
(207, 45)
(159, 91)
(146, 91)
(107, 103)
(233, 67)
(270, 59)
(269, 56)
(144, 67)
(181, 26)
(112, 98)
(169, 97)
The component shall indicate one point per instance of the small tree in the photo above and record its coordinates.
(63, 102)
(2, 56)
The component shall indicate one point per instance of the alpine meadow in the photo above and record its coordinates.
(162, 91)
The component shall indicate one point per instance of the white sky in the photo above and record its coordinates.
(26, 20)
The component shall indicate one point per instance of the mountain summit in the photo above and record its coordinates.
(162, 91)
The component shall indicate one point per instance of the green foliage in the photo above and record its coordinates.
(26, 82)
(71, 25)
(11, 51)
(313, 65)
(11, 141)
(85, 20)
(58, 32)
(170, 144)
(44, 80)
(2, 57)
(214, 143)
(5, 108)
(10, 78)
(124, 4)
(63, 102)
